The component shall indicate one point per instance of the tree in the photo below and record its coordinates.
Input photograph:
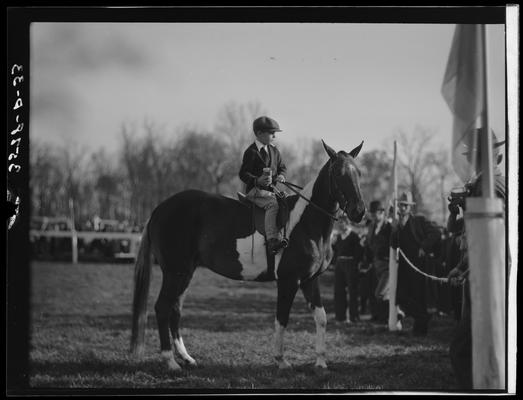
(375, 167)
(304, 161)
(46, 179)
(202, 161)
(423, 170)
(106, 177)
(137, 157)
(72, 163)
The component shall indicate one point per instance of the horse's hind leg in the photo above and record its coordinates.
(173, 287)
(174, 324)
(311, 292)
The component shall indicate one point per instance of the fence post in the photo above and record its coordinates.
(74, 236)
(74, 242)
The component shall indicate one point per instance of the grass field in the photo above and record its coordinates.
(81, 318)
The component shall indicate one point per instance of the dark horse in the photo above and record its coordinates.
(194, 228)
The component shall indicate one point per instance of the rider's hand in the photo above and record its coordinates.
(263, 180)
(421, 253)
(280, 178)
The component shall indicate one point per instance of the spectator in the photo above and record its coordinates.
(416, 237)
(443, 291)
(348, 254)
(379, 246)
(367, 283)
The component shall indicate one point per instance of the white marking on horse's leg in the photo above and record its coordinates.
(278, 346)
(320, 318)
(168, 358)
(180, 348)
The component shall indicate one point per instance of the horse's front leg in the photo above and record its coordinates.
(311, 292)
(286, 292)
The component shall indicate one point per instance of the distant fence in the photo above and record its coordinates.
(133, 237)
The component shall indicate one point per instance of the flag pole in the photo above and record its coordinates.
(485, 137)
(393, 255)
(485, 232)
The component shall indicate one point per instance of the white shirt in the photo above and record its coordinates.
(260, 146)
(345, 233)
(379, 224)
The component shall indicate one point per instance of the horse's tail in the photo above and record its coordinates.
(142, 277)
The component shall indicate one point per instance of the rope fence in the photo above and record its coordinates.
(435, 278)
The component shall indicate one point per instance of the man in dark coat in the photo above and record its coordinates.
(348, 254)
(378, 239)
(416, 237)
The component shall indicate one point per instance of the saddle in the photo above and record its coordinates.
(259, 213)
(258, 218)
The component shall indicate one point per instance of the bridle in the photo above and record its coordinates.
(333, 189)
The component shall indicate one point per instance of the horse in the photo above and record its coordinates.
(195, 228)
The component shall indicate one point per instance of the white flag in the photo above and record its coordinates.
(463, 92)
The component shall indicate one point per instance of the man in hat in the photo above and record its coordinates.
(473, 188)
(348, 254)
(262, 166)
(461, 345)
(416, 237)
(378, 239)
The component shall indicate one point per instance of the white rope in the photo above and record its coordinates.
(436, 278)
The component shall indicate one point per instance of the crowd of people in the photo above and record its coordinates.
(361, 266)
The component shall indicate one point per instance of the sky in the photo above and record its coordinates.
(342, 83)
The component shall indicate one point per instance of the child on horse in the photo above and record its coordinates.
(262, 166)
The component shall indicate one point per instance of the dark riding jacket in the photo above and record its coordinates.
(253, 164)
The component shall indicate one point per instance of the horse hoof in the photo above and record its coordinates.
(190, 363)
(169, 361)
(173, 366)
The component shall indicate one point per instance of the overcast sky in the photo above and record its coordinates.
(340, 82)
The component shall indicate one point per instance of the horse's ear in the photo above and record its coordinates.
(355, 151)
(330, 151)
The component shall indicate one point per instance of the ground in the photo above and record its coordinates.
(81, 319)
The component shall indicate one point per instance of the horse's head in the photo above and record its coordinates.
(344, 181)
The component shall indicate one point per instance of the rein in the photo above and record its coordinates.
(290, 186)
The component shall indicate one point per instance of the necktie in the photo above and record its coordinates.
(264, 155)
